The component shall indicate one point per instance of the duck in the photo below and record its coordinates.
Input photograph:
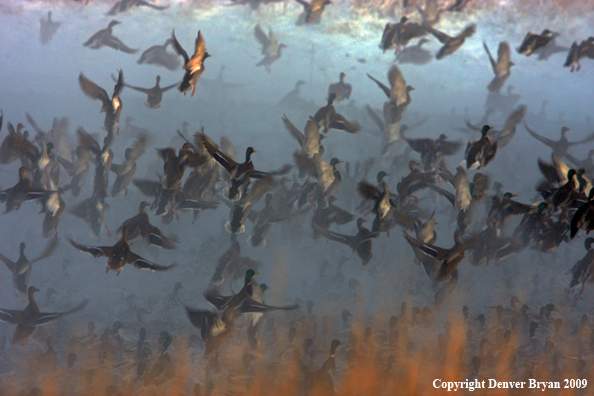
(29, 318)
(126, 170)
(560, 146)
(451, 44)
(157, 55)
(481, 152)
(53, 206)
(125, 5)
(325, 216)
(417, 180)
(112, 107)
(504, 209)
(313, 10)
(78, 169)
(327, 118)
(583, 219)
(140, 225)
(532, 42)
(323, 380)
(434, 150)
(242, 208)
(582, 270)
(22, 268)
(154, 94)
(271, 49)
(194, 66)
(489, 245)
(47, 29)
(577, 52)
(327, 175)
(341, 89)
(398, 35)
(25, 190)
(119, 255)
(104, 37)
(501, 67)
(17, 146)
(310, 140)
(398, 94)
(232, 265)
(360, 242)
(262, 221)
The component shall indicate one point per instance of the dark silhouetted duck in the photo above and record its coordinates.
(481, 152)
(451, 44)
(140, 225)
(415, 54)
(271, 49)
(30, 317)
(577, 52)
(126, 170)
(194, 66)
(360, 242)
(119, 255)
(533, 42)
(104, 37)
(25, 190)
(158, 55)
(341, 89)
(21, 269)
(501, 67)
(48, 29)
(154, 94)
(328, 118)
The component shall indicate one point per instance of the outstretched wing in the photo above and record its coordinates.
(141, 263)
(95, 251)
(9, 315)
(380, 85)
(92, 90)
(224, 160)
(548, 142)
(45, 318)
(295, 133)
(178, 48)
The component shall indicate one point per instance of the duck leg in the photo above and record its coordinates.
(193, 90)
(108, 231)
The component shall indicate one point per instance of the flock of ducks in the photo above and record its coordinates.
(202, 175)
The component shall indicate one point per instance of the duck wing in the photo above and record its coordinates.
(441, 36)
(118, 45)
(178, 48)
(95, 251)
(295, 133)
(92, 90)
(49, 249)
(141, 263)
(9, 315)
(262, 38)
(380, 85)
(224, 160)
(397, 85)
(10, 264)
(491, 59)
(46, 317)
(548, 142)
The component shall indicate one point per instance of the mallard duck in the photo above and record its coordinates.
(323, 381)
(434, 150)
(360, 242)
(232, 265)
(194, 66)
(240, 173)
(53, 206)
(262, 221)
(481, 152)
(309, 140)
(328, 118)
(415, 54)
(21, 269)
(242, 208)
(158, 55)
(431, 13)
(582, 270)
(313, 10)
(451, 44)
(47, 29)
(504, 209)
(141, 225)
(126, 170)
(78, 169)
(271, 49)
(112, 107)
(532, 42)
(532, 223)
(583, 219)
(215, 327)
(560, 146)
(154, 94)
(553, 234)
(119, 255)
(105, 37)
(327, 175)
(489, 245)
(94, 211)
(125, 5)
(578, 52)
(417, 180)
(398, 94)
(324, 217)
(341, 89)
(16, 145)
(25, 190)
(399, 34)
(30, 317)
(501, 67)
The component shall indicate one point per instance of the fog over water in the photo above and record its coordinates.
(43, 81)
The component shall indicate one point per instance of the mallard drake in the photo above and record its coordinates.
(324, 217)
(434, 150)
(451, 44)
(501, 67)
(328, 118)
(323, 381)
(30, 317)
(125, 5)
(158, 55)
(242, 208)
(126, 170)
(578, 52)
(232, 265)
(313, 10)
(194, 66)
(398, 94)
(582, 270)
(105, 37)
(583, 219)
(533, 42)
(271, 49)
(240, 174)
(560, 146)
(47, 29)
(112, 107)
(341, 89)
(360, 242)
(154, 94)
(481, 152)
(21, 269)
(504, 209)
(119, 255)
(141, 225)
(415, 54)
